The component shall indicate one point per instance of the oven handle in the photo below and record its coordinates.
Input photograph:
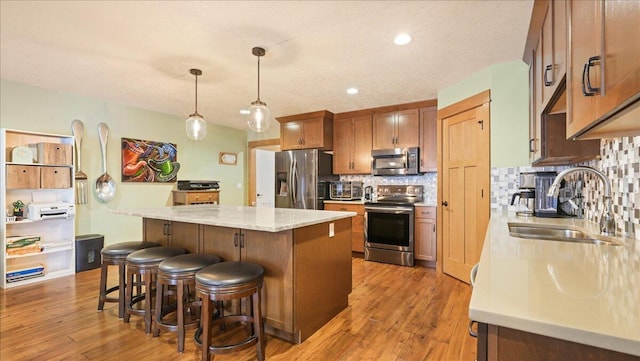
(396, 210)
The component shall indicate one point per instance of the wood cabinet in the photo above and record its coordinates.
(195, 197)
(172, 234)
(398, 129)
(307, 131)
(357, 223)
(548, 144)
(428, 139)
(496, 343)
(603, 75)
(24, 179)
(352, 145)
(425, 234)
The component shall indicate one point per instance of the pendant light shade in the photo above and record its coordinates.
(195, 124)
(259, 115)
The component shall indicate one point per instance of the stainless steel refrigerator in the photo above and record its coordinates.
(302, 178)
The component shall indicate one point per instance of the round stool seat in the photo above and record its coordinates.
(124, 248)
(187, 263)
(229, 274)
(154, 254)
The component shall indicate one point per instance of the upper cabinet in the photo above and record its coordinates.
(603, 75)
(352, 145)
(396, 129)
(307, 131)
(545, 53)
(428, 150)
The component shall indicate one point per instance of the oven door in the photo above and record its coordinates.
(389, 227)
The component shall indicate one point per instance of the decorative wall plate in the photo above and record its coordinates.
(22, 155)
(228, 158)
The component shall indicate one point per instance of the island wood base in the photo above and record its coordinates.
(307, 277)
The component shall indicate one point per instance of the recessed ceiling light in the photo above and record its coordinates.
(353, 91)
(402, 39)
(244, 111)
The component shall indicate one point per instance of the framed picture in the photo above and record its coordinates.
(149, 161)
(228, 158)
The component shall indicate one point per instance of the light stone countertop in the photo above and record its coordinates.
(254, 218)
(578, 292)
(333, 201)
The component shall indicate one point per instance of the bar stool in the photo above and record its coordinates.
(179, 271)
(116, 254)
(144, 264)
(227, 281)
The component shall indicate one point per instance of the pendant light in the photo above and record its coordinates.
(196, 125)
(259, 115)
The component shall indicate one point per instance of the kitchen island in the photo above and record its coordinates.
(540, 299)
(306, 255)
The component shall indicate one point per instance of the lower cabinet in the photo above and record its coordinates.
(357, 223)
(425, 234)
(195, 197)
(496, 343)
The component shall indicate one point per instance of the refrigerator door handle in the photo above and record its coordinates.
(294, 181)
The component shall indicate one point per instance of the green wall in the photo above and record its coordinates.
(24, 107)
(509, 85)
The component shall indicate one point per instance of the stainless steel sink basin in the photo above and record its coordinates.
(556, 233)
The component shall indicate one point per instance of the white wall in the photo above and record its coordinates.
(24, 107)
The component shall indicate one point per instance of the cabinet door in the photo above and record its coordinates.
(428, 149)
(274, 252)
(621, 60)
(222, 241)
(407, 125)
(547, 55)
(23, 177)
(361, 151)
(202, 198)
(156, 230)
(584, 39)
(291, 135)
(55, 177)
(535, 125)
(343, 140)
(559, 41)
(384, 131)
(185, 235)
(425, 239)
(313, 134)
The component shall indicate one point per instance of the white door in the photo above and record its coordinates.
(265, 178)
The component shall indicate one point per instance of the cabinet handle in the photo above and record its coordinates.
(445, 203)
(434, 228)
(546, 71)
(241, 240)
(587, 89)
(235, 239)
(531, 143)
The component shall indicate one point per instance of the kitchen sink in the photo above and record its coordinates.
(556, 233)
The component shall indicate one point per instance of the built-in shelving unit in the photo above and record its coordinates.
(46, 175)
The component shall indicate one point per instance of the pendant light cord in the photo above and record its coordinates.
(258, 78)
(196, 112)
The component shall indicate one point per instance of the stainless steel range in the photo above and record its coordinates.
(388, 230)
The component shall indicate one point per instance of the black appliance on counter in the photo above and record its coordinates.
(200, 185)
(388, 231)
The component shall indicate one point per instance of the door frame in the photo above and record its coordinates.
(453, 109)
(266, 144)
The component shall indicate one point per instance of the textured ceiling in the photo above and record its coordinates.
(139, 52)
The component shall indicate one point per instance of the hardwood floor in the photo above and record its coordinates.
(395, 313)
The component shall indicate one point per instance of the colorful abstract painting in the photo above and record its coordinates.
(149, 161)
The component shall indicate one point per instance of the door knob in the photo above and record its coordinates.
(445, 203)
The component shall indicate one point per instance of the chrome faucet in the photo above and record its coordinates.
(607, 223)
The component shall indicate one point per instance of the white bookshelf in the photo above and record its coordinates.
(59, 233)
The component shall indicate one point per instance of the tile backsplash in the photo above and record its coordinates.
(428, 180)
(620, 162)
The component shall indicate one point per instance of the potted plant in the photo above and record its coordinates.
(18, 207)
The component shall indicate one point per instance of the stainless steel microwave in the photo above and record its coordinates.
(395, 161)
